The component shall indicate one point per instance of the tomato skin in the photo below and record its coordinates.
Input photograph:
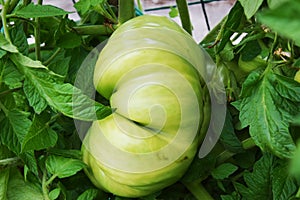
(297, 76)
(151, 71)
(248, 66)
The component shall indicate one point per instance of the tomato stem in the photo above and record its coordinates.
(94, 29)
(45, 186)
(198, 190)
(184, 15)
(37, 33)
(9, 161)
(3, 17)
(126, 10)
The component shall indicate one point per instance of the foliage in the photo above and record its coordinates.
(256, 48)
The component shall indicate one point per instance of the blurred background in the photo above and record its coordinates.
(205, 14)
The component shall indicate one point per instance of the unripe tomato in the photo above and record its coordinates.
(151, 71)
(297, 76)
(248, 66)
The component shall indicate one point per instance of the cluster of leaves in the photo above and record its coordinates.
(41, 50)
(256, 47)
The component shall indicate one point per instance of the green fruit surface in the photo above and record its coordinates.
(153, 73)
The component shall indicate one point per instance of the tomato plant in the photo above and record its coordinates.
(50, 71)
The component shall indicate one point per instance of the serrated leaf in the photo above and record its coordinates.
(269, 111)
(284, 20)
(13, 129)
(268, 180)
(19, 38)
(228, 138)
(19, 189)
(11, 76)
(42, 87)
(233, 21)
(20, 59)
(30, 161)
(224, 171)
(258, 182)
(63, 167)
(250, 7)
(7, 46)
(283, 185)
(32, 11)
(89, 194)
(40, 135)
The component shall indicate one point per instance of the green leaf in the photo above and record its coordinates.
(224, 171)
(19, 189)
(82, 6)
(69, 40)
(40, 135)
(53, 194)
(89, 194)
(283, 185)
(20, 59)
(32, 11)
(232, 22)
(228, 138)
(284, 20)
(30, 161)
(173, 12)
(200, 168)
(7, 46)
(42, 87)
(276, 3)
(4, 176)
(13, 129)
(268, 180)
(10, 74)
(63, 167)
(269, 99)
(19, 38)
(251, 50)
(295, 162)
(250, 7)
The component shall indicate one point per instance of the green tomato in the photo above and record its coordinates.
(153, 74)
(248, 66)
(297, 76)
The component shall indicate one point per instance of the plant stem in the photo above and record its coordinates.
(47, 62)
(225, 155)
(37, 36)
(198, 191)
(9, 161)
(3, 17)
(45, 186)
(94, 30)
(50, 180)
(126, 10)
(184, 15)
